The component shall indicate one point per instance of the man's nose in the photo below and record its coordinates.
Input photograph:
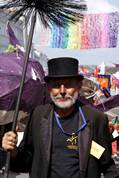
(62, 90)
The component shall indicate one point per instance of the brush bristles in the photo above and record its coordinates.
(59, 12)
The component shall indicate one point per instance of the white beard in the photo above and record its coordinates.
(70, 100)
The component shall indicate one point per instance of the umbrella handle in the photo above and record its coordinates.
(27, 53)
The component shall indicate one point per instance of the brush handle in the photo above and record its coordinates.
(28, 49)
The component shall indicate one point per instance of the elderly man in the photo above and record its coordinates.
(63, 139)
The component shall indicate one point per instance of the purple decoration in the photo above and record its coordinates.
(34, 92)
(116, 65)
(11, 66)
(109, 103)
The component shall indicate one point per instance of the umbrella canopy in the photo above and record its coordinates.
(109, 103)
(10, 75)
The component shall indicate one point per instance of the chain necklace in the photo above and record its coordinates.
(72, 140)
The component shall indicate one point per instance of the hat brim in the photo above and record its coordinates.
(79, 77)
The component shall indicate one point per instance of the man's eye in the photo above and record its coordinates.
(57, 85)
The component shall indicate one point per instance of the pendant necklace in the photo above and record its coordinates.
(72, 140)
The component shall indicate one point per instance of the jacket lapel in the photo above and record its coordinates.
(46, 133)
(49, 134)
(84, 140)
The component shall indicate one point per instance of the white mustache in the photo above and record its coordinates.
(65, 97)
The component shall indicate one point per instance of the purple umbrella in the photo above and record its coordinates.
(116, 65)
(10, 75)
(109, 103)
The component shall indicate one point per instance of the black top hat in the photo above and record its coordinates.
(63, 67)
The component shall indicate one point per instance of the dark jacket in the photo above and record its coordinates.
(34, 152)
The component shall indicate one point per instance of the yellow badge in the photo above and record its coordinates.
(96, 150)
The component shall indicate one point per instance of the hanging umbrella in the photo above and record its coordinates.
(109, 103)
(10, 75)
(11, 71)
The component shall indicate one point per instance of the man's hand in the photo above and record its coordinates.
(9, 141)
